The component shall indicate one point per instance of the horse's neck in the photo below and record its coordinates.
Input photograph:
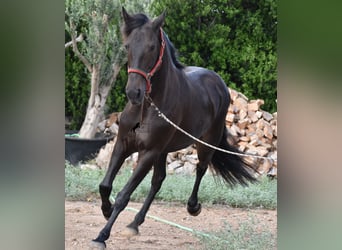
(167, 85)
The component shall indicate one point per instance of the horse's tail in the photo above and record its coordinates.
(233, 168)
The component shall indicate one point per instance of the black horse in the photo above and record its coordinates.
(194, 98)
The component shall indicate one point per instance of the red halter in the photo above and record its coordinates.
(149, 75)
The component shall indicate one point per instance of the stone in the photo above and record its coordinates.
(275, 130)
(243, 96)
(254, 142)
(272, 172)
(113, 129)
(242, 145)
(267, 116)
(233, 131)
(265, 167)
(233, 94)
(241, 103)
(252, 115)
(243, 123)
(113, 118)
(171, 168)
(232, 109)
(262, 151)
(103, 157)
(252, 106)
(268, 131)
(275, 115)
(259, 114)
(192, 158)
(236, 128)
(259, 133)
(254, 137)
(260, 124)
(242, 114)
(230, 117)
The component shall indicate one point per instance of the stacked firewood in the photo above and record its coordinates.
(254, 130)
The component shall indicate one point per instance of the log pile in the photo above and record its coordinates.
(253, 131)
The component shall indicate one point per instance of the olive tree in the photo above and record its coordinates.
(94, 28)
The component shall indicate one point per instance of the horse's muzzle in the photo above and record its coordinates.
(135, 95)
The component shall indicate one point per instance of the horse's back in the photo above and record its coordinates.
(210, 83)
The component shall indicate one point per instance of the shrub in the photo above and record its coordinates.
(236, 39)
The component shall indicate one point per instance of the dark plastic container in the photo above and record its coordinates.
(81, 149)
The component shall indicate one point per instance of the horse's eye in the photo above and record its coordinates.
(126, 46)
(152, 47)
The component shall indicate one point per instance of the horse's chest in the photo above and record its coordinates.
(149, 135)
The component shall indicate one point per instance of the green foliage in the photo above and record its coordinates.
(80, 184)
(77, 89)
(117, 99)
(237, 39)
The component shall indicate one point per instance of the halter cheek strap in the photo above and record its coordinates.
(150, 74)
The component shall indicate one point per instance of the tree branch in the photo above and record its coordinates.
(116, 69)
(78, 39)
(75, 48)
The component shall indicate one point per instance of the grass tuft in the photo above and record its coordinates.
(248, 235)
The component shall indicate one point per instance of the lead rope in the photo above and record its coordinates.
(160, 114)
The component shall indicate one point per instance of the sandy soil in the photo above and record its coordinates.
(84, 220)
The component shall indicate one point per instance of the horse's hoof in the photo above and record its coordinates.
(129, 232)
(196, 210)
(96, 245)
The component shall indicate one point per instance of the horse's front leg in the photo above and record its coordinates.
(121, 151)
(159, 174)
(145, 162)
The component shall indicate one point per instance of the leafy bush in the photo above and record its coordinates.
(77, 90)
(236, 39)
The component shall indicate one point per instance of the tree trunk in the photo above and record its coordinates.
(97, 101)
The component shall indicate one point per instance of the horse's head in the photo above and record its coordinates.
(142, 39)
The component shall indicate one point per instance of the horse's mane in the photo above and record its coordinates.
(172, 50)
(139, 20)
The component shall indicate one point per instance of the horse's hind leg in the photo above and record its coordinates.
(193, 207)
(159, 174)
(204, 156)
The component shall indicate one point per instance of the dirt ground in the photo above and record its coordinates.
(84, 220)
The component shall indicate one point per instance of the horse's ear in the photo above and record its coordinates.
(159, 21)
(125, 15)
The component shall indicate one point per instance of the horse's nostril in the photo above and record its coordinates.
(138, 93)
(134, 95)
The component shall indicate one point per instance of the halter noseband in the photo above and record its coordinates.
(149, 75)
